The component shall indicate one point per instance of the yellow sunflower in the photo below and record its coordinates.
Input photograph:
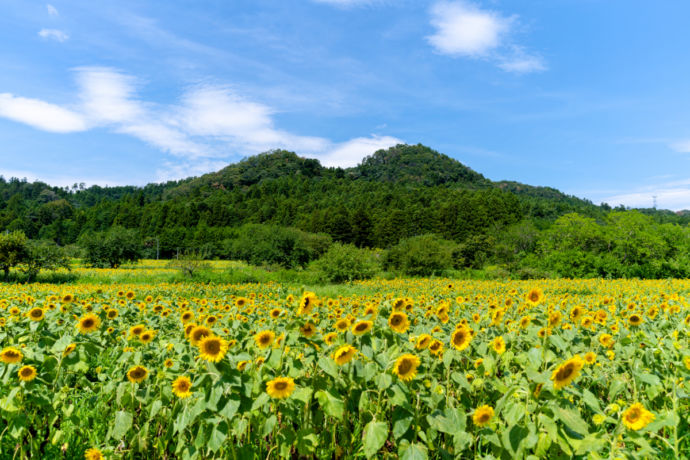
(567, 372)
(461, 338)
(137, 374)
(635, 319)
(406, 367)
(307, 330)
(213, 348)
(69, 349)
(535, 296)
(112, 313)
(307, 303)
(264, 339)
(135, 331)
(362, 327)
(482, 415)
(590, 358)
(423, 341)
(11, 355)
(27, 373)
(344, 354)
(198, 333)
(280, 387)
(398, 322)
(182, 386)
(36, 314)
(147, 336)
(499, 345)
(93, 454)
(88, 323)
(637, 417)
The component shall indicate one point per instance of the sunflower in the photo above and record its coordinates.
(147, 336)
(182, 387)
(499, 345)
(11, 355)
(423, 341)
(525, 321)
(168, 363)
(344, 354)
(36, 314)
(461, 338)
(69, 349)
(555, 319)
(211, 320)
(242, 365)
(436, 347)
(362, 327)
(130, 295)
(88, 323)
(241, 302)
(112, 313)
(606, 340)
(27, 373)
(398, 322)
(482, 415)
(280, 387)
(637, 417)
(213, 348)
(567, 372)
(686, 361)
(590, 358)
(199, 333)
(535, 296)
(406, 367)
(67, 298)
(264, 339)
(341, 325)
(635, 319)
(275, 313)
(137, 374)
(307, 329)
(93, 454)
(307, 303)
(330, 338)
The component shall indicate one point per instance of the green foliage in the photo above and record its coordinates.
(191, 262)
(43, 255)
(13, 250)
(422, 255)
(346, 262)
(273, 245)
(112, 248)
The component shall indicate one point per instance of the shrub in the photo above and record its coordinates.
(111, 248)
(43, 255)
(346, 262)
(13, 250)
(421, 255)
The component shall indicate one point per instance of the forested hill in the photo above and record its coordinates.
(404, 191)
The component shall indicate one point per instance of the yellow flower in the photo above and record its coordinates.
(637, 417)
(483, 415)
(499, 345)
(461, 338)
(307, 329)
(147, 336)
(11, 355)
(591, 357)
(406, 367)
(137, 374)
(198, 333)
(182, 387)
(635, 319)
(567, 372)
(423, 341)
(168, 363)
(344, 354)
(135, 331)
(93, 454)
(264, 339)
(307, 303)
(242, 365)
(606, 340)
(69, 349)
(280, 387)
(36, 314)
(686, 361)
(362, 327)
(27, 373)
(598, 419)
(535, 296)
(398, 322)
(88, 323)
(213, 348)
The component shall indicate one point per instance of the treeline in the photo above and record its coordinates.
(279, 200)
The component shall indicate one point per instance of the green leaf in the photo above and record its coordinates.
(155, 407)
(230, 408)
(375, 435)
(123, 422)
(591, 400)
(307, 441)
(260, 401)
(415, 451)
(302, 394)
(571, 418)
(330, 404)
(402, 419)
(451, 421)
(328, 366)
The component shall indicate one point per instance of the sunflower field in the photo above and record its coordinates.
(404, 368)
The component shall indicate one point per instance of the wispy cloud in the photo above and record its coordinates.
(54, 34)
(463, 29)
(52, 10)
(681, 146)
(205, 124)
(41, 115)
(673, 195)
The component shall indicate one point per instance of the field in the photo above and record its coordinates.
(403, 368)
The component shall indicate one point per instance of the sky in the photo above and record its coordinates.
(587, 96)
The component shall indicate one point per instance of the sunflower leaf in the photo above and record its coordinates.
(375, 435)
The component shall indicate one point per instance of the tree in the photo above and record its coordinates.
(13, 250)
(346, 262)
(111, 248)
(421, 255)
(43, 255)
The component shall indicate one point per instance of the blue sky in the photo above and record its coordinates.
(588, 96)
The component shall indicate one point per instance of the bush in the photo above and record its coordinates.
(270, 244)
(422, 255)
(43, 255)
(112, 248)
(346, 262)
(13, 250)
(191, 262)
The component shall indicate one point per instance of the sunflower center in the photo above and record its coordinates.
(405, 366)
(36, 313)
(360, 327)
(87, 322)
(212, 347)
(396, 320)
(26, 372)
(633, 415)
(564, 373)
(484, 417)
(280, 386)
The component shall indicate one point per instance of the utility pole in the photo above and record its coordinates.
(654, 200)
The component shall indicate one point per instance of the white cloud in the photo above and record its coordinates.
(53, 34)
(208, 123)
(681, 146)
(462, 29)
(40, 114)
(52, 10)
(465, 30)
(350, 153)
